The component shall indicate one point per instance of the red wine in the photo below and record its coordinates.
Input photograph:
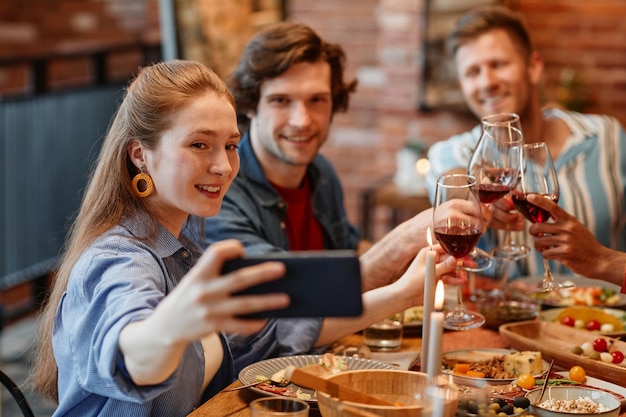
(532, 212)
(488, 193)
(458, 241)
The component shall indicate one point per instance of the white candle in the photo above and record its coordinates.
(436, 333)
(429, 299)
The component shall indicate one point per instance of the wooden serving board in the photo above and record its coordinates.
(556, 341)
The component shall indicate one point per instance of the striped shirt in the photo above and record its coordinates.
(591, 171)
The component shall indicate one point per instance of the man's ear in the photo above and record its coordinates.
(136, 153)
(250, 114)
(535, 67)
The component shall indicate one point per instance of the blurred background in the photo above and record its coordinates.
(63, 64)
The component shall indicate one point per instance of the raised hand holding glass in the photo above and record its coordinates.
(458, 225)
(497, 155)
(538, 176)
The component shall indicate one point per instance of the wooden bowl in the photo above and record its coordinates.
(405, 388)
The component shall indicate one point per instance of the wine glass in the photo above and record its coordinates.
(505, 128)
(495, 163)
(538, 176)
(458, 228)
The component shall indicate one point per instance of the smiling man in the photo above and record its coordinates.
(287, 196)
(500, 71)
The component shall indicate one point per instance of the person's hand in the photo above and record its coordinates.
(504, 215)
(566, 240)
(464, 209)
(203, 303)
(415, 275)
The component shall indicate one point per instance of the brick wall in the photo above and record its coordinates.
(585, 36)
(383, 42)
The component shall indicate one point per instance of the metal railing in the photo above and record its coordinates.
(48, 142)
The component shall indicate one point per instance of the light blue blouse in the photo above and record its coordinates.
(120, 279)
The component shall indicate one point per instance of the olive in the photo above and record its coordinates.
(594, 355)
(521, 402)
(507, 409)
(495, 406)
(472, 407)
(500, 401)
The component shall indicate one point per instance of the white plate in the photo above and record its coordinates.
(268, 367)
(531, 282)
(553, 313)
(598, 383)
(484, 354)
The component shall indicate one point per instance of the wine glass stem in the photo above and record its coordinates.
(459, 298)
(471, 282)
(547, 274)
(459, 289)
(507, 237)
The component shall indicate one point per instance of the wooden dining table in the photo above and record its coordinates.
(235, 403)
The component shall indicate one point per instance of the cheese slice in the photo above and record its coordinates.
(527, 362)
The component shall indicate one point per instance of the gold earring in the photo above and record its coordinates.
(142, 184)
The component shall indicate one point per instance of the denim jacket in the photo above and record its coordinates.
(253, 212)
(119, 279)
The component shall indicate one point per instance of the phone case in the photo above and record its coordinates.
(319, 283)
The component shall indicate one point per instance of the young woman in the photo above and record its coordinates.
(133, 324)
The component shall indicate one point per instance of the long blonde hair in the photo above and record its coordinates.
(145, 112)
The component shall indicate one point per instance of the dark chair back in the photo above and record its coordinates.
(17, 395)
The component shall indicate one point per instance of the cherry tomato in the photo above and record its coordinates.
(600, 345)
(577, 373)
(526, 381)
(618, 357)
(592, 325)
(568, 321)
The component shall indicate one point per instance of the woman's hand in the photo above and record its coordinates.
(203, 302)
(201, 305)
(415, 276)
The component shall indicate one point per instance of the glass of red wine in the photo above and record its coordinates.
(458, 225)
(501, 170)
(538, 176)
(495, 163)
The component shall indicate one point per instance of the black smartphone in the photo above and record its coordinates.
(319, 283)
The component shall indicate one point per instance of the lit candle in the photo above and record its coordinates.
(429, 299)
(436, 333)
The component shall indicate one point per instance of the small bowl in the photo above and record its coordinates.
(398, 387)
(572, 393)
(498, 312)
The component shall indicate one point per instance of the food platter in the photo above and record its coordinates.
(477, 355)
(552, 315)
(556, 341)
(268, 367)
(583, 293)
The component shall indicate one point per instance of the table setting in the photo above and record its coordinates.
(236, 403)
(526, 348)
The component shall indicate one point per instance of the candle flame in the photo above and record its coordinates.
(439, 296)
(429, 239)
